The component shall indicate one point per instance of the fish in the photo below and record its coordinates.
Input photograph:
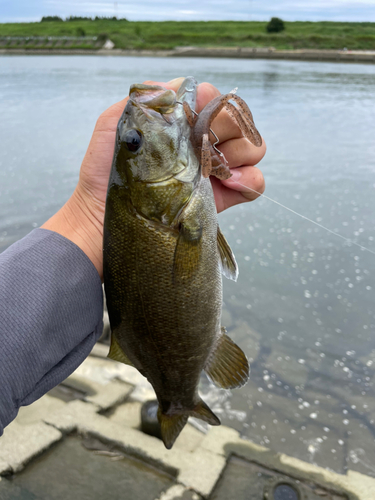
(163, 251)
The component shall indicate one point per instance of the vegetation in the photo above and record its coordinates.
(167, 35)
(47, 19)
(275, 25)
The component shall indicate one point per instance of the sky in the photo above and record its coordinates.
(193, 10)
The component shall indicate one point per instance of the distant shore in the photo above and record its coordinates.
(358, 56)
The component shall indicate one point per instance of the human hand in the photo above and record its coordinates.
(81, 218)
(242, 156)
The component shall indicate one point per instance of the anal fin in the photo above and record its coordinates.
(117, 354)
(227, 365)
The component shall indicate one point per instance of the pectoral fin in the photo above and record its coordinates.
(188, 251)
(228, 261)
(227, 365)
(116, 353)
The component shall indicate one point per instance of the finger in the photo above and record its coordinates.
(223, 125)
(224, 196)
(114, 112)
(205, 93)
(240, 151)
(174, 84)
(248, 181)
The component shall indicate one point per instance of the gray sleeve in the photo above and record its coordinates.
(51, 308)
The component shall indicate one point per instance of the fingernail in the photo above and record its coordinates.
(236, 174)
(178, 80)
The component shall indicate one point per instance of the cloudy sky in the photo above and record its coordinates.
(158, 10)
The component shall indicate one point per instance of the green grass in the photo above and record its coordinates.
(167, 35)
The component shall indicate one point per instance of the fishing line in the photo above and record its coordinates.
(348, 240)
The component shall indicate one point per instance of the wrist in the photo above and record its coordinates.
(81, 221)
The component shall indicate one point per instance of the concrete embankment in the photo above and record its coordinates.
(229, 52)
(84, 439)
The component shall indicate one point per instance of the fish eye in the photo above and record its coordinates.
(132, 139)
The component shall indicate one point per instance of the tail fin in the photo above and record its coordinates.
(203, 412)
(172, 425)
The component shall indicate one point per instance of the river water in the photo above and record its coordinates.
(303, 307)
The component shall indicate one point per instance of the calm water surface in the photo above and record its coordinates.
(303, 307)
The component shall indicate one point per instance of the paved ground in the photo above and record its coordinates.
(83, 441)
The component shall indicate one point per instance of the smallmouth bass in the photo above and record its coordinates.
(164, 253)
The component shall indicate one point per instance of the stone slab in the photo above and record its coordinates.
(71, 471)
(20, 443)
(105, 370)
(245, 480)
(227, 442)
(198, 470)
(67, 418)
(127, 414)
(110, 395)
(34, 413)
(179, 492)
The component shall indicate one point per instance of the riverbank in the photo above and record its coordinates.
(169, 35)
(358, 56)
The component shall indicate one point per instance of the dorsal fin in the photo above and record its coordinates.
(227, 365)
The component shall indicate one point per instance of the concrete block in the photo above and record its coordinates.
(104, 370)
(35, 412)
(200, 470)
(5, 468)
(189, 439)
(179, 492)
(128, 414)
(68, 418)
(100, 351)
(225, 441)
(143, 392)
(218, 437)
(20, 443)
(102, 393)
(109, 395)
(360, 485)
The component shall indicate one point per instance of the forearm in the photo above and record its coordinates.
(80, 220)
(50, 316)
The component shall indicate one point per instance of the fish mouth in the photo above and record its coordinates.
(163, 181)
(166, 179)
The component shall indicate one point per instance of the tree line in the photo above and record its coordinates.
(47, 19)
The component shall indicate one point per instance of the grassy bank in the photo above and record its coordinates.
(168, 35)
